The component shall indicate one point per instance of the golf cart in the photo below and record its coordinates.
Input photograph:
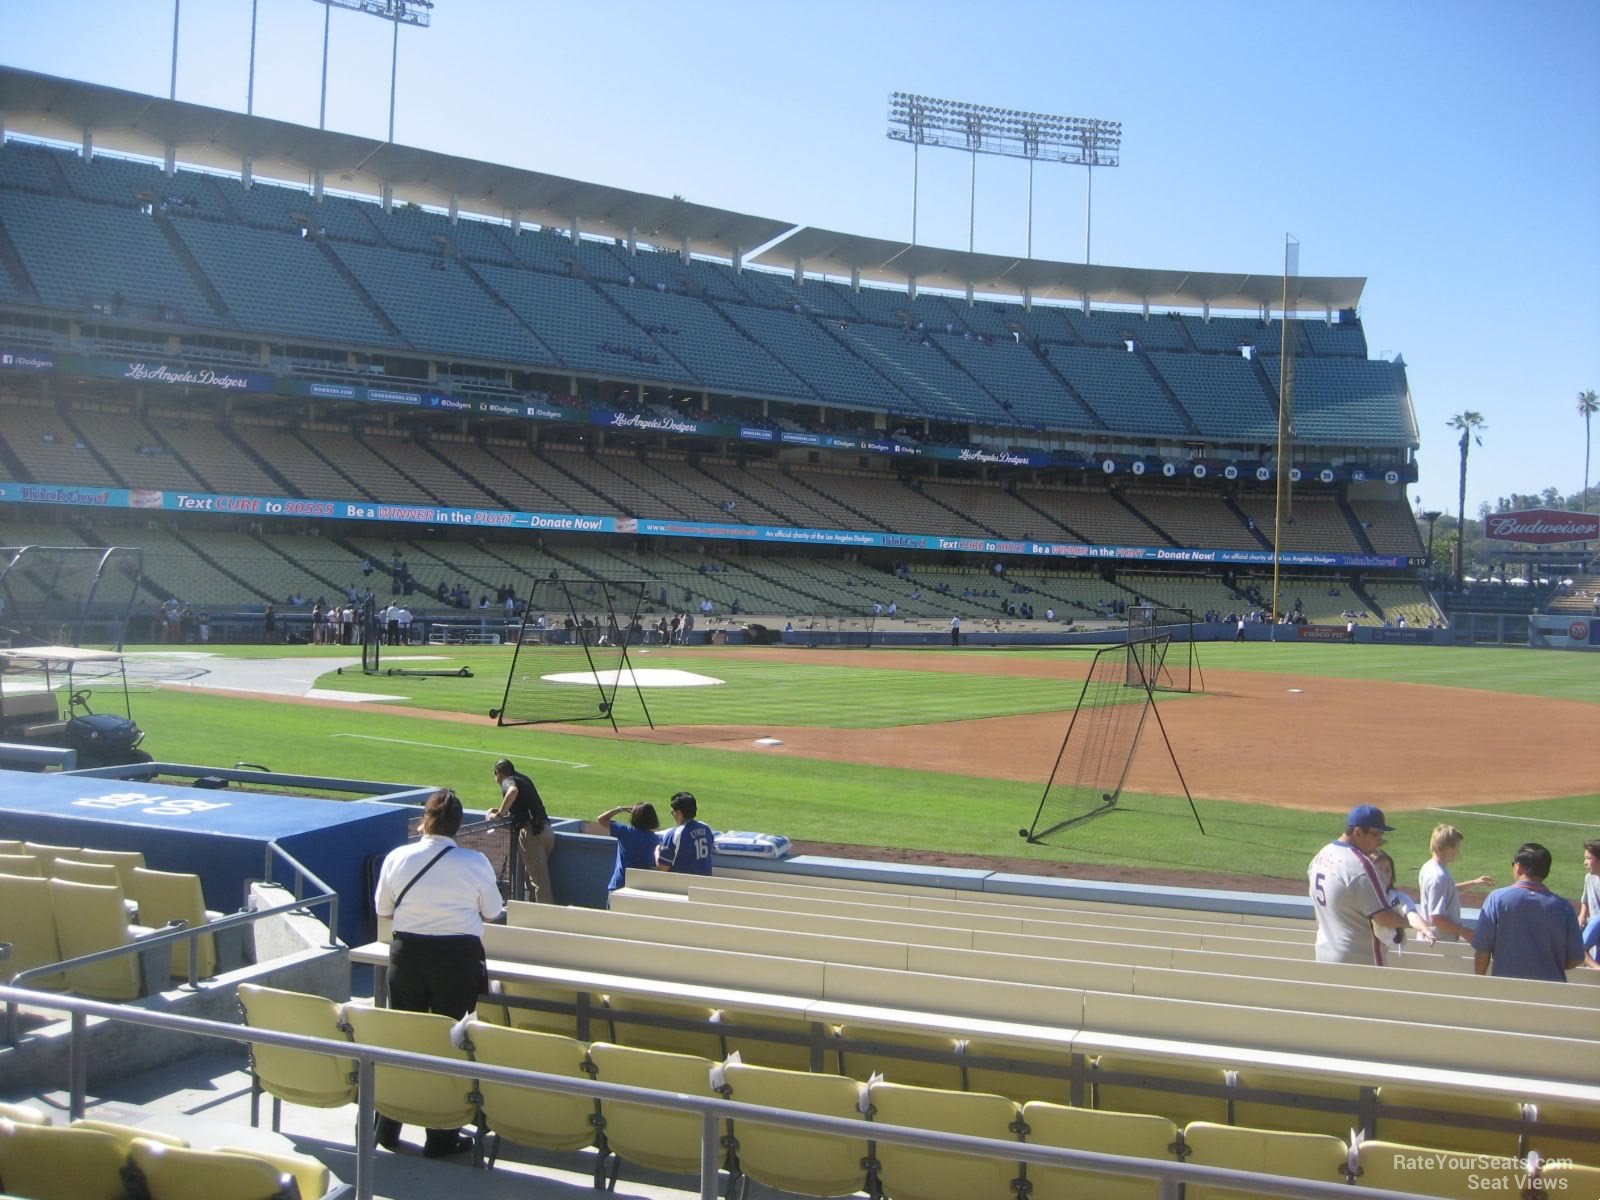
(44, 701)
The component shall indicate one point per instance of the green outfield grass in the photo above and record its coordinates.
(860, 805)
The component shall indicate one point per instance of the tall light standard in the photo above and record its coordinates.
(400, 12)
(982, 129)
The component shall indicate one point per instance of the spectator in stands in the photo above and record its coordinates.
(1526, 931)
(1398, 902)
(438, 895)
(1439, 892)
(636, 841)
(530, 825)
(686, 848)
(1346, 893)
(1589, 905)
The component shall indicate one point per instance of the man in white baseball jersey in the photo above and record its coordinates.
(1347, 895)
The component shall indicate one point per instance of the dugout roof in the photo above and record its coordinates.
(47, 106)
(828, 252)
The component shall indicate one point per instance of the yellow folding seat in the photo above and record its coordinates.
(1581, 1149)
(548, 1120)
(78, 871)
(658, 1138)
(543, 1020)
(166, 896)
(1296, 1155)
(1295, 1117)
(882, 1060)
(793, 1160)
(312, 1178)
(174, 1173)
(705, 1042)
(409, 1096)
(1178, 1107)
(25, 865)
(763, 1051)
(1132, 1135)
(50, 1162)
(1438, 1133)
(298, 1076)
(47, 853)
(24, 1114)
(12, 846)
(1575, 1181)
(90, 918)
(125, 861)
(28, 922)
(127, 1133)
(911, 1173)
(1018, 1083)
(1431, 1171)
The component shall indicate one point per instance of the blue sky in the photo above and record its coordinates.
(1449, 152)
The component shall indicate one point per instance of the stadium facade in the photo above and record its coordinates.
(497, 373)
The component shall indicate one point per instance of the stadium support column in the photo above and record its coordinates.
(633, 244)
(169, 162)
(577, 233)
(455, 207)
(799, 271)
(855, 279)
(88, 143)
(683, 251)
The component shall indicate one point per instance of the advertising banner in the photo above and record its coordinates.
(1542, 526)
(494, 518)
(1321, 633)
(26, 360)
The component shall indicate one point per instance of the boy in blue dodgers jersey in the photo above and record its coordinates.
(687, 847)
(636, 840)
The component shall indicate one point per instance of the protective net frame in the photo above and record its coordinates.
(1162, 640)
(66, 595)
(1102, 737)
(593, 658)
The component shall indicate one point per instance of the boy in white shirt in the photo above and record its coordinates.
(1440, 894)
(1589, 906)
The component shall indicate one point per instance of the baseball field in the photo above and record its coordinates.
(938, 755)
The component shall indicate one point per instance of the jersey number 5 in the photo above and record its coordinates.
(1318, 891)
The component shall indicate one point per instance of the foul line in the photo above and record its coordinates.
(1467, 812)
(367, 737)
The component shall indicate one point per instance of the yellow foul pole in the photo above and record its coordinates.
(1283, 510)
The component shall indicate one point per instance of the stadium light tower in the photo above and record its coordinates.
(982, 129)
(400, 12)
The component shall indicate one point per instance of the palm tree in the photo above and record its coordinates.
(1471, 424)
(1588, 405)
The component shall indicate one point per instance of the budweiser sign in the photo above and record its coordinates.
(1542, 526)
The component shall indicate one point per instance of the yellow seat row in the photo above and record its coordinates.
(815, 1164)
(95, 1160)
(158, 897)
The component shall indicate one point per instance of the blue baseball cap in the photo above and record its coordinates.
(1368, 816)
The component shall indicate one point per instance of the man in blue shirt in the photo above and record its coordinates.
(636, 841)
(1526, 931)
(687, 847)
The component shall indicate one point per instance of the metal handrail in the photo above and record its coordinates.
(182, 933)
(712, 1111)
(302, 874)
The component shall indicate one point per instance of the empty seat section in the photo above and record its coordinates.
(1194, 519)
(217, 461)
(1019, 380)
(81, 254)
(49, 449)
(1315, 524)
(1222, 394)
(278, 283)
(297, 462)
(1116, 329)
(438, 307)
(1390, 526)
(292, 209)
(23, 166)
(835, 374)
(134, 450)
(1092, 513)
(1348, 400)
(1224, 335)
(697, 335)
(434, 473)
(940, 389)
(1118, 386)
(582, 329)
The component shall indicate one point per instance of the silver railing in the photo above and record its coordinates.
(302, 876)
(712, 1111)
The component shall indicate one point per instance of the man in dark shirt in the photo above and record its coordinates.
(1526, 931)
(530, 825)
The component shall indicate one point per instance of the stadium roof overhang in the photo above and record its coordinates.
(876, 260)
(46, 106)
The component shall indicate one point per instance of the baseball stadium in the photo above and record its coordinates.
(1021, 627)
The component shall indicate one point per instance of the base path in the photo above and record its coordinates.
(1290, 741)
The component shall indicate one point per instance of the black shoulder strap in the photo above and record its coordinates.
(430, 865)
